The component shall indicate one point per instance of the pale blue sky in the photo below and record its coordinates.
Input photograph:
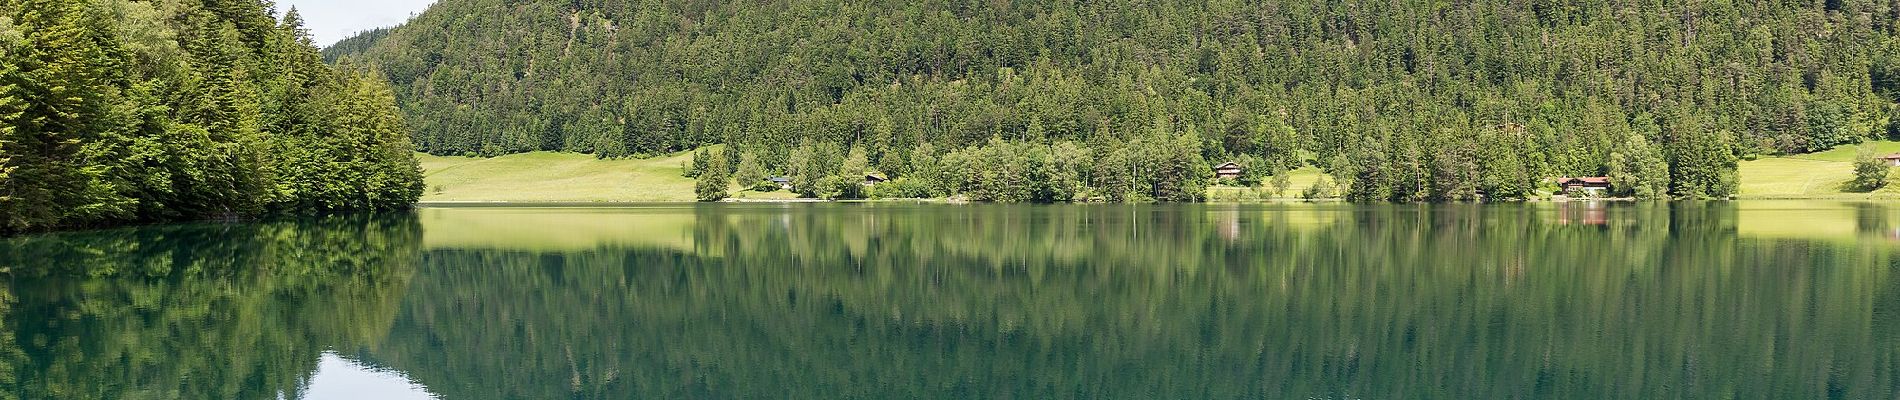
(333, 20)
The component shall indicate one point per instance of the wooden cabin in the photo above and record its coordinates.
(1227, 170)
(872, 179)
(782, 182)
(1892, 160)
(1594, 185)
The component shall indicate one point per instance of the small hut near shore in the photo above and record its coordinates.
(1227, 170)
(1594, 185)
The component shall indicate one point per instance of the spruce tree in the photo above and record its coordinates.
(712, 183)
(119, 111)
(55, 74)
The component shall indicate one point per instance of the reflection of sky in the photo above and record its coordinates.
(340, 379)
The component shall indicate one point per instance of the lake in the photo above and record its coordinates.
(873, 301)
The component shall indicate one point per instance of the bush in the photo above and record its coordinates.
(765, 186)
(1320, 190)
(903, 188)
(840, 187)
(1281, 181)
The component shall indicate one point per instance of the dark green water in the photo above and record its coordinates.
(1773, 300)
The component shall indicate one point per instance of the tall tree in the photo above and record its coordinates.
(712, 183)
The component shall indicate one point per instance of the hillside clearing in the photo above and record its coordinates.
(1822, 175)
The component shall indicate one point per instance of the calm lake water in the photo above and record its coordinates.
(1777, 300)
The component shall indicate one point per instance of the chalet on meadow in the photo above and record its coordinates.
(1892, 160)
(1594, 185)
(782, 182)
(1227, 170)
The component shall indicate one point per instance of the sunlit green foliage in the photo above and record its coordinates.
(1870, 171)
(1637, 169)
(750, 174)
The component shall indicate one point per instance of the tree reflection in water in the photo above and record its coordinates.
(913, 301)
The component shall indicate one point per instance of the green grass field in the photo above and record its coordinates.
(1822, 175)
(1300, 178)
(568, 177)
(561, 177)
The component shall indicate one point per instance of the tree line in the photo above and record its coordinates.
(1400, 100)
(117, 111)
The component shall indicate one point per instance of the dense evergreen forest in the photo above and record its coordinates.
(1402, 100)
(115, 111)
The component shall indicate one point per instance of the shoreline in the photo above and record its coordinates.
(945, 201)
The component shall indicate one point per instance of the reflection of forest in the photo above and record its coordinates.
(239, 311)
(889, 301)
(1163, 302)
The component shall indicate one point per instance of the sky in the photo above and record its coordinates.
(333, 20)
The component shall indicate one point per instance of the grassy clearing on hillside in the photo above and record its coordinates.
(555, 177)
(562, 177)
(1301, 179)
(1822, 175)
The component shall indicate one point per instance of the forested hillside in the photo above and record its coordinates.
(116, 111)
(1127, 99)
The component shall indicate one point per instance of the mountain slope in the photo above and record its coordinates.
(1424, 99)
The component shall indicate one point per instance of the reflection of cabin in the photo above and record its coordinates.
(782, 182)
(1592, 213)
(1592, 185)
(870, 179)
(1893, 160)
(1228, 170)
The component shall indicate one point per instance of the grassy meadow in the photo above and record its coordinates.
(1300, 180)
(1822, 175)
(561, 177)
(570, 177)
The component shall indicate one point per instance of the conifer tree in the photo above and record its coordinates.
(712, 183)
(55, 75)
(116, 111)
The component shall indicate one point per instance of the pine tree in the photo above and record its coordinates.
(712, 183)
(702, 159)
(57, 76)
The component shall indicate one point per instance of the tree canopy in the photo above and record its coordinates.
(1452, 100)
(117, 111)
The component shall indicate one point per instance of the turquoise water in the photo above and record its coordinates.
(1693, 300)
